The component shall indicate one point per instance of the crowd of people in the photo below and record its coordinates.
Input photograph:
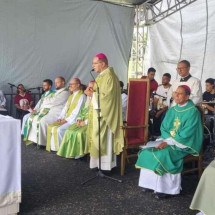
(67, 122)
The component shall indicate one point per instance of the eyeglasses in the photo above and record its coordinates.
(177, 93)
(181, 68)
(94, 63)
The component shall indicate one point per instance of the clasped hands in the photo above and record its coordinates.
(161, 145)
(80, 123)
(61, 121)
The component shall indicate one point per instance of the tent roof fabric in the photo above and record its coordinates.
(130, 2)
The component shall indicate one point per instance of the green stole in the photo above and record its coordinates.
(52, 128)
(40, 114)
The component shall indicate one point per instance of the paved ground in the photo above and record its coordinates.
(52, 185)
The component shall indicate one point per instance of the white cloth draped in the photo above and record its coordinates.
(10, 159)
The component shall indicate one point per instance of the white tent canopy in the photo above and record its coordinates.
(44, 39)
(188, 34)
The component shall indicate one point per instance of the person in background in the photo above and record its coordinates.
(3, 109)
(153, 83)
(208, 104)
(183, 69)
(124, 101)
(209, 96)
(159, 103)
(23, 101)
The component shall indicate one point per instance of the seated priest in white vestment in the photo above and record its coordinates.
(204, 197)
(48, 113)
(48, 92)
(67, 116)
(111, 134)
(74, 144)
(183, 69)
(181, 134)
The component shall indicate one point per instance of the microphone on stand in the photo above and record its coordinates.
(12, 85)
(154, 93)
(92, 70)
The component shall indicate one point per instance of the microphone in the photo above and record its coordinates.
(92, 70)
(154, 93)
(12, 85)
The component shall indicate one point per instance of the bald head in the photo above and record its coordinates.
(74, 84)
(59, 82)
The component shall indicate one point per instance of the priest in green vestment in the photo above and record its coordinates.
(67, 116)
(110, 113)
(28, 118)
(181, 135)
(48, 113)
(74, 143)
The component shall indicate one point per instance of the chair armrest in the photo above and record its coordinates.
(133, 127)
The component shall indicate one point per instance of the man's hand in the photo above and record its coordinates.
(162, 145)
(61, 121)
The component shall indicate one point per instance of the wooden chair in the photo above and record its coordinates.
(136, 127)
(196, 161)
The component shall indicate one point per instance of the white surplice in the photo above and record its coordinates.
(56, 103)
(195, 86)
(36, 108)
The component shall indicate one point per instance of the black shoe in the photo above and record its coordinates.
(162, 196)
(146, 190)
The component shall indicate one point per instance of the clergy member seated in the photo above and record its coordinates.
(181, 135)
(74, 143)
(28, 118)
(3, 109)
(67, 116)
(203, 199)
(48, 113)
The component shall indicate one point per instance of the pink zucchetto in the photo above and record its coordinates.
(101, 56)
(186, 88)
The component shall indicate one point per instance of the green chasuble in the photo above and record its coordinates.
(39, 114)
(74, 139)
(111, 114)
(52, 128)
(184, 125)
